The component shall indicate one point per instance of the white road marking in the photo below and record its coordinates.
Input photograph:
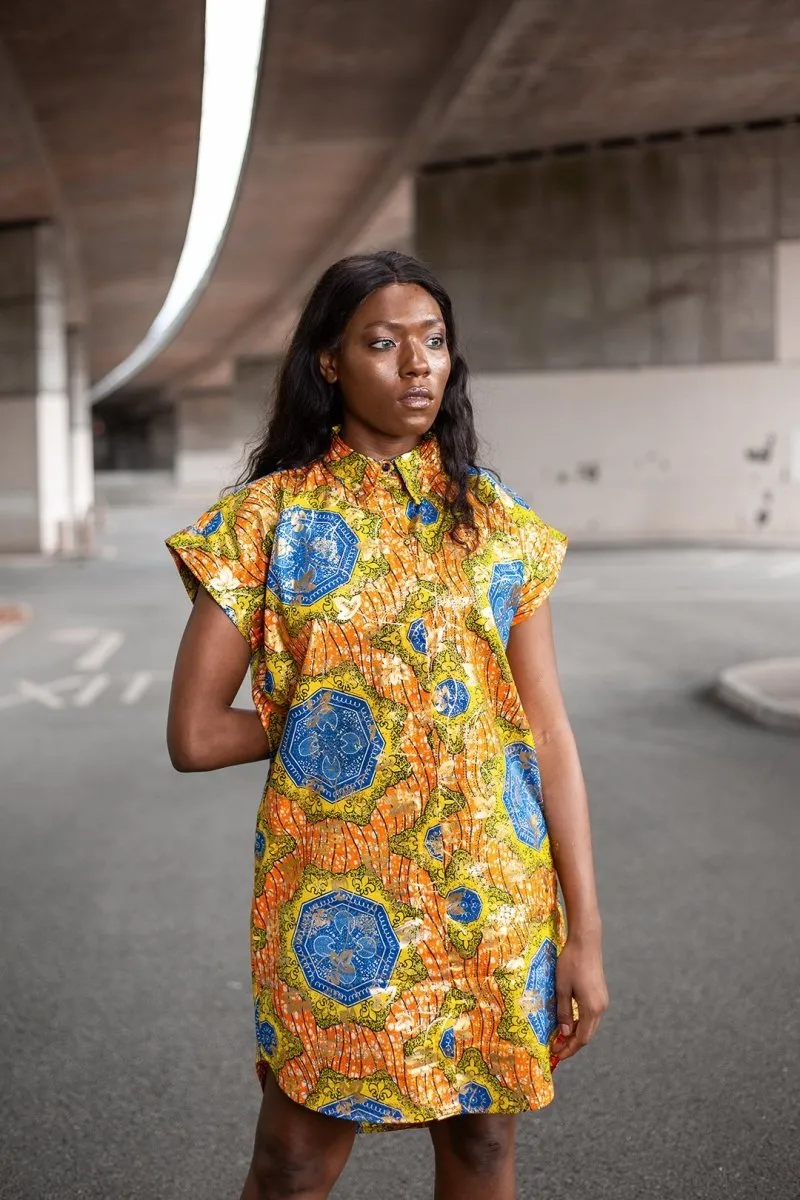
(96, 685)
(137, 687)
(86, 688)
(47, 693)
(100, 652)
(8, 629)
(105, 643)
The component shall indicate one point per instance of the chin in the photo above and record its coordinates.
(420, 420)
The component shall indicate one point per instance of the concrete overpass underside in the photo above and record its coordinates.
(99, 122)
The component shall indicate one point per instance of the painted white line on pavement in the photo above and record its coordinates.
(47, 693)
(94, 688)
(101, 652)
(137, 687)
(8, 630)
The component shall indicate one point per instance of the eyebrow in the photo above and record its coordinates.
(399, 326)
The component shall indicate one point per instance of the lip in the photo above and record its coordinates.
(417, 397)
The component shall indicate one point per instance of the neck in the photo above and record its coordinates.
(373, 443)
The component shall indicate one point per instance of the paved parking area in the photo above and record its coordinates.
(126, 1022)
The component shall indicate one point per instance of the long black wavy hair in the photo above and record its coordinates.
(307, 407)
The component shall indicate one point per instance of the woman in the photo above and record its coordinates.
(409, 957)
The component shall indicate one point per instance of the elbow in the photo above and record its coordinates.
(185, 751)
(182, 759)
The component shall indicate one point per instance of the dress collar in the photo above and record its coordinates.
(420, 469)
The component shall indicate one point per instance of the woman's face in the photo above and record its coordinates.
(392, 366)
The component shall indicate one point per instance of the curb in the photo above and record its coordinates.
(767, 692)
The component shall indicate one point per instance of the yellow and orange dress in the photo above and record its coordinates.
(405, 920)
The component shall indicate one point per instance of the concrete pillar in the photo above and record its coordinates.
(35, 493)
(81, 448)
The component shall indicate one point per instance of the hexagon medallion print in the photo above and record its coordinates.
(418, 636)
(314, 553)
(474, 1098)
(539, 997)
(361, 1108)
(331, 744)
(427, 512)
(522, 791)
(266, 1036)
(464, 905)
(345, 946)
(451, 698)
(447, 1042)
(434, 843)
(504, 592)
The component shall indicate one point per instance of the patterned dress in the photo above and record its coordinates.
(405, 920)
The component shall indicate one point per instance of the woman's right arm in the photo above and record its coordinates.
(204, 731)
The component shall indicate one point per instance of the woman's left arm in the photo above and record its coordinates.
(579, 972)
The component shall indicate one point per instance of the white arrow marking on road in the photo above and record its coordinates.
(94, 688)
(139, 684)
(47, 693)
(137, 687)
(100, 652)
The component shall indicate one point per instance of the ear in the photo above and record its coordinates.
(327, 365)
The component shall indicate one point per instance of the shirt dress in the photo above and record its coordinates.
(405, 921)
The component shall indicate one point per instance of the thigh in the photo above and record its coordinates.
(297, 1149)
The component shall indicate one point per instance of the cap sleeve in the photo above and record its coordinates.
(225, 551)
(543, 550)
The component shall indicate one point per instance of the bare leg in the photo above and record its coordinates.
(298, 1153)
(475, 1157)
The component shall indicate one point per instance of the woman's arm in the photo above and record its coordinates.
(531, 655)
(203, 731)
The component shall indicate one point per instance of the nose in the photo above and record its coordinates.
(415, 361)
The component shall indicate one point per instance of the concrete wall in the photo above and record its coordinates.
(650, 255)
(685, 454)
(632, 320)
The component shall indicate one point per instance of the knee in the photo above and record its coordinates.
(483, 1144)
(282, 1171)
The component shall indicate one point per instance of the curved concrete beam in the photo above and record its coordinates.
(232, 62)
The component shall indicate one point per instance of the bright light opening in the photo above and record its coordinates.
(233, 36)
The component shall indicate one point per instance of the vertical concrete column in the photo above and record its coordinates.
(80, 432)
(254, 395)
(35, 494)
(206, 453)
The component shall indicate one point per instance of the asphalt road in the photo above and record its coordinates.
(127, 1033)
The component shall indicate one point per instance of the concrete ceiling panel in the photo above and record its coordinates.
(584, 71)
(114, 87)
